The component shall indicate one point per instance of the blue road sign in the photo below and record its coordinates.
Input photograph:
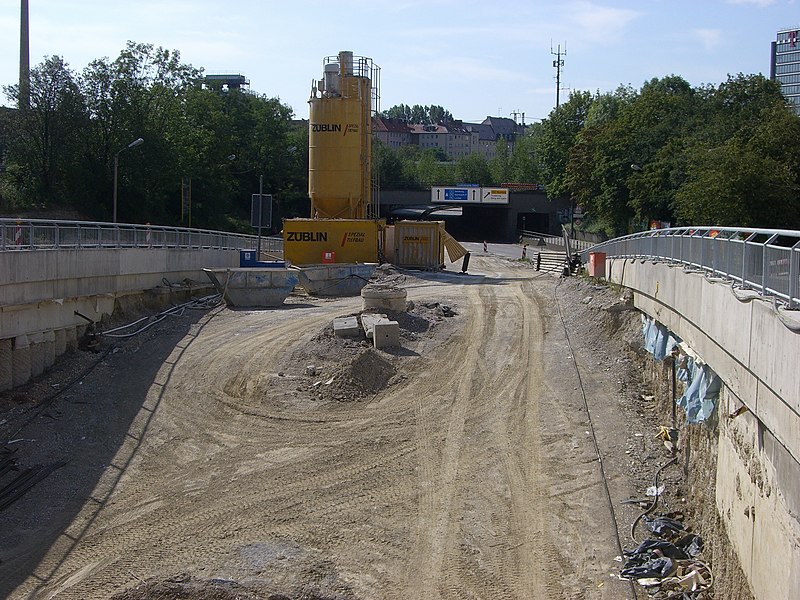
(456, 195)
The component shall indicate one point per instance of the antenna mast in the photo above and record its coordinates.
(558, 63)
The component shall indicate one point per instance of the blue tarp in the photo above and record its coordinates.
(699, 399)
(658, 340)
(685, 366)
(702, 383)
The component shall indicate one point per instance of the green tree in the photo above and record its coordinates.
(388, 166)
(553, 141)
(400, 111)
(523, 167)
(43, 147)
(438, 115)
(473, 168)
(64, 145)
(752, 179)
(500, 165)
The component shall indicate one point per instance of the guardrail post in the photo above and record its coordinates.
(745, 244)
(764, 264)
(702, 264)
(794, 275)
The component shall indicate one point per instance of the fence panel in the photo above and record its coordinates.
(767, 260)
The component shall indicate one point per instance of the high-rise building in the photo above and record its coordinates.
(785, 65)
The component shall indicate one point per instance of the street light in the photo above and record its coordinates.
(133, 144)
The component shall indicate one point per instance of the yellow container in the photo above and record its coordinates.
(340, 146)
(318, 241)
(419, 244)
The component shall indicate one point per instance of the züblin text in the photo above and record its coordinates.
(326, 127)
(307, 236)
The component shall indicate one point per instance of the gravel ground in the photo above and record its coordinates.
(253, 454)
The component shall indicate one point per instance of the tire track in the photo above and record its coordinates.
(437, 485)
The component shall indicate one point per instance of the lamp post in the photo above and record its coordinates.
(134, 143)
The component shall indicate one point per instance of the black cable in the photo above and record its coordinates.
(653, 504)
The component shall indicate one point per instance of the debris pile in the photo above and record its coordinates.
(366, 374)
(666, 564)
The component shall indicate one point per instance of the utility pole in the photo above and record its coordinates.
(558, 63)
(515, 113)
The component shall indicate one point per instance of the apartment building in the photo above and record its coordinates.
(456, 140)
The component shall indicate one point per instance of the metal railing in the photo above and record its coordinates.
(552, 240)
(40, 234)
(764, 260)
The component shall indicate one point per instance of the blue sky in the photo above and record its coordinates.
(474, 58)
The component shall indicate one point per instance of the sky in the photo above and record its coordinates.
(474, 58)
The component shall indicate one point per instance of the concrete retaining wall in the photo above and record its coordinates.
(758, 468)
(40, 291)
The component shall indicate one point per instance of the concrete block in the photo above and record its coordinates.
(385, 297)
(71, 334)
(49, 345)
(21, 361)
(735, 495)
(780, 419)
(346, 327)
(368, 321)
(61, 341)
(774, 354)
(386, 334)
(37, 353)
(6, 371)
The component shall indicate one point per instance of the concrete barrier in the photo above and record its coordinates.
(756, 356)
(43, 289)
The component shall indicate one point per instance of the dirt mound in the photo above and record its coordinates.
(371, 372)
(366, 374)
(349, 369)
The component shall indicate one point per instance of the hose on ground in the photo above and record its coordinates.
(653, 504)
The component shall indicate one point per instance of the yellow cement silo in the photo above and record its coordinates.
(340, 139)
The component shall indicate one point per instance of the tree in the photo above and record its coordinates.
(473, 169)
(500, 165)
(752, 179)
(420, 115)
(389, 167)
(64, 145)
(555, 138)
(438, 115)
(400, 111)
(45, 133)
(523, 167)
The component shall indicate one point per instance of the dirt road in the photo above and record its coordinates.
(471, 474)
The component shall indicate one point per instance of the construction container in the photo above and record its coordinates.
(317, 241)
(249, 258)
(597, 264)
(335, 280)
(340, 139)
(419, 244)
(253, 287)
